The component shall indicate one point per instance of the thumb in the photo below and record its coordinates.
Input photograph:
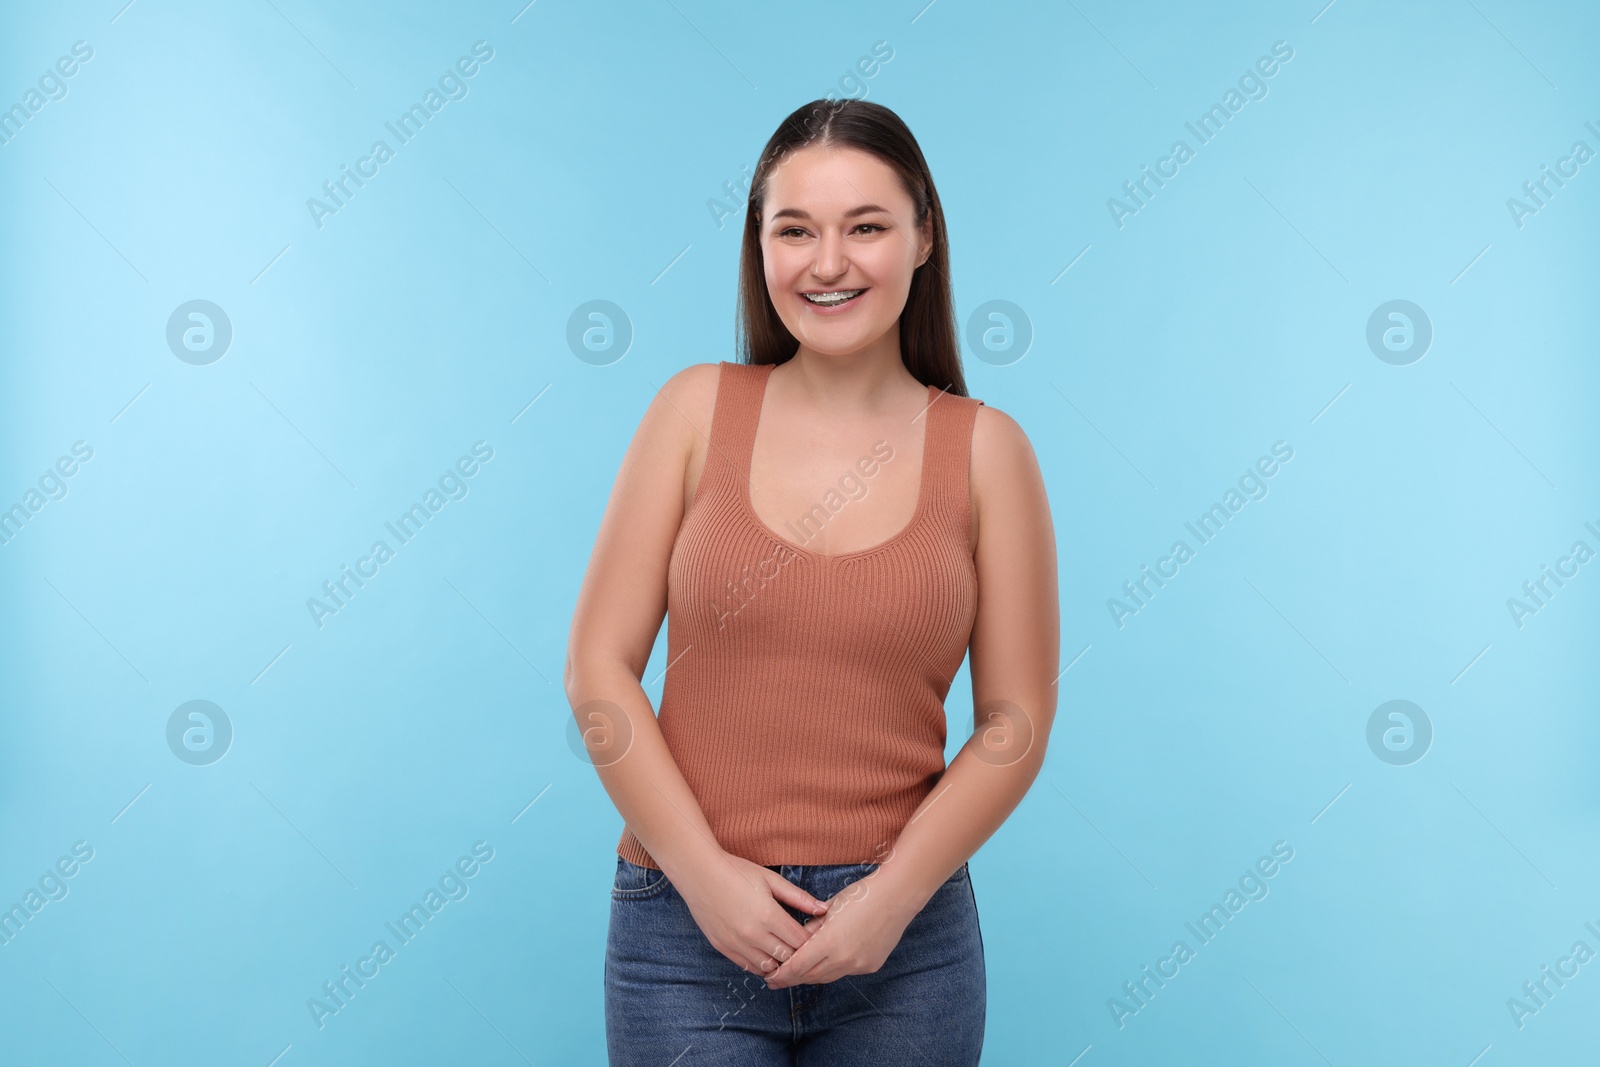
(789, 893)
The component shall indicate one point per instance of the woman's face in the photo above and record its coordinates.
(837, 220)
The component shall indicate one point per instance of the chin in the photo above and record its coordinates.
(834, 347)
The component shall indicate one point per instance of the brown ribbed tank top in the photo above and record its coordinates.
(804, 695)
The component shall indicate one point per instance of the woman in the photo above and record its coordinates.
(792, 879)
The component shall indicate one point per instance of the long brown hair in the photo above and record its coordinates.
(928, 338)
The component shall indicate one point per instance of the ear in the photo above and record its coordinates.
(925, 240)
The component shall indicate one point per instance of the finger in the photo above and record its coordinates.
(806, 971)
(784, 971)
(795, 965)
(810, 968)
(768, 956)
(759, 958)
(752, 958)
(792, 895)
(761, 966)
(786, 931)
(779, 978)
(774, 958)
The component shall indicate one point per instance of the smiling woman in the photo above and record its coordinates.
(797, 764)
(889, 227)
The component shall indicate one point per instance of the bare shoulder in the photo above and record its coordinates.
(680, 412)
(1001, 450)
(1006, 480)
(691, 394)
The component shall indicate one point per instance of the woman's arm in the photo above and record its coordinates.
(1015, 659)
(619, 612)
(618, 616)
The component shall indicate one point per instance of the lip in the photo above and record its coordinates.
(840, 309)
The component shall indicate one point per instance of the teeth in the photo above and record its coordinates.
(834, 298)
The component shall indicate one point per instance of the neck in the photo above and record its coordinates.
(868, 379)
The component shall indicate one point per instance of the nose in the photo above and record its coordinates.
(831, 262)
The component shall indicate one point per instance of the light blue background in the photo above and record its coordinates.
(432, 309)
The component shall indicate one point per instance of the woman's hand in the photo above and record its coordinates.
(856, 936)
(736, 904)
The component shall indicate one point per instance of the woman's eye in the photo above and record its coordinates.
(792, 230)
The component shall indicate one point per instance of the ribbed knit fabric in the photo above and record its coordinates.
(804, 695)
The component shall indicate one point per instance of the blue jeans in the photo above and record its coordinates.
(673, 999)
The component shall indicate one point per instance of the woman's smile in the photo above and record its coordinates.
(831, 301)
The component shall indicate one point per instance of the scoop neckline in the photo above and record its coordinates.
(911, 524)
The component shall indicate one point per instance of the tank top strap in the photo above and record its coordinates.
(947, 438)
(948, 442)
(734, 416)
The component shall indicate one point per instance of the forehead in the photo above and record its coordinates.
(818, 182)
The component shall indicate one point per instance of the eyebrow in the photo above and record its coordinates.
(796, 213)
